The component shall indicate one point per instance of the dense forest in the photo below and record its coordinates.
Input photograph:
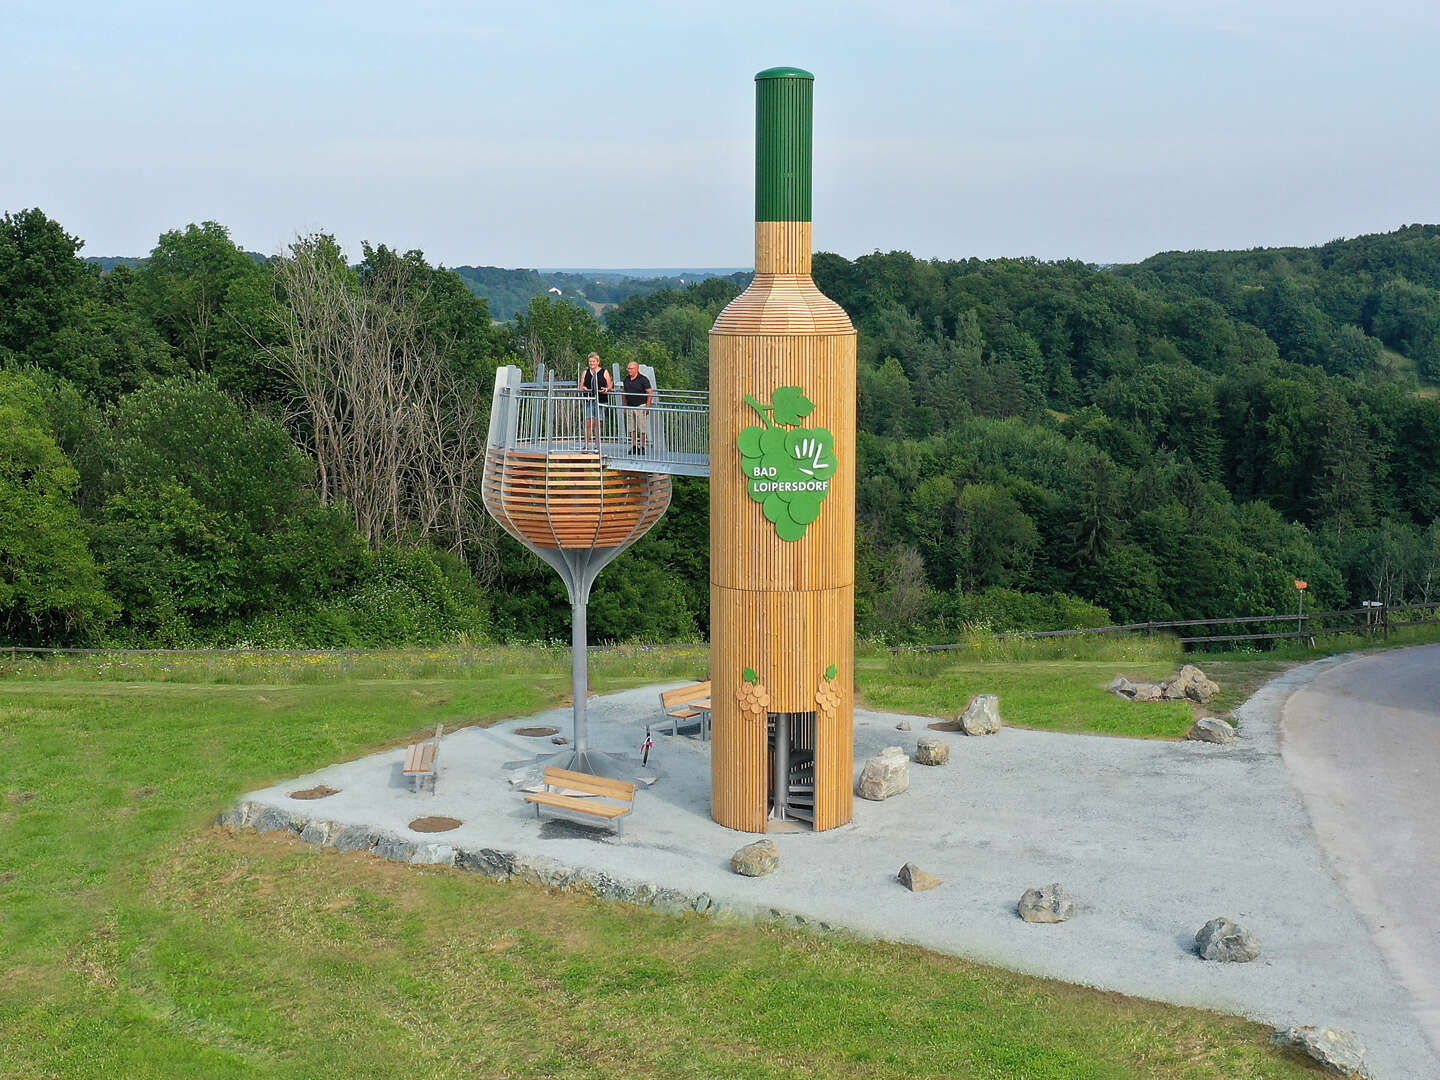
(204, 447)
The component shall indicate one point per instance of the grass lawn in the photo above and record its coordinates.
(1059, 684)
(1053, 686)
(138, 941)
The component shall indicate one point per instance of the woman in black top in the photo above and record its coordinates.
(597, 384)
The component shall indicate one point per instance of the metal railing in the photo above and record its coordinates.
(671, 436)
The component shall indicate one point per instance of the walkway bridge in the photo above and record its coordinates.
(551, 417)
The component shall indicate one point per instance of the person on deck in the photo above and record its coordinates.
(637, 395)
(597, 384)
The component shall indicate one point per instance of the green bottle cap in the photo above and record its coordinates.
(783, 108)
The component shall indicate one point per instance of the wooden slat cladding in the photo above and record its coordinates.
(783, 247)
(789, 639)
(569, 500)
(782, 304)
(783, 608)
(744, 550)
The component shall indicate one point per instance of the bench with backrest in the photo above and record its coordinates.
(420, 759)
(686, 703)
(620, 792)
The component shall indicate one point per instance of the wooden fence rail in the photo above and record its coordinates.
(1376, 618)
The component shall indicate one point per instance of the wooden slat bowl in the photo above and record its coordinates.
(570, 500)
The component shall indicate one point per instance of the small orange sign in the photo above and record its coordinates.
(1302, 584)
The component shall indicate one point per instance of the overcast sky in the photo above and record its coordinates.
(552, 133)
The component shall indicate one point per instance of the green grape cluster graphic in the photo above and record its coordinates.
(787, 468)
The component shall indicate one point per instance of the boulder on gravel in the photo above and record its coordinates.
(1211, 729)
(932, 751)
(903, 725)
(980, 717)
(1226, 941)
(1051, 904)
(756, 859)
(915, 879)
(1339, 1052)
(886, 774)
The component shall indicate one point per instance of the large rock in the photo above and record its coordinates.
(932, 751)
(755, 859)
(1171, 690)
(981, 716)
(1191, 683)
(273, 819)
(1226, 941)
(884, 775)
(915, 879)
(1195, 684)
(1340, 1052)
(1051, 904)
(1147, 691)
(1212, 729)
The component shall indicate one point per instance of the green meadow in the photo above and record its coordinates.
(139, 940)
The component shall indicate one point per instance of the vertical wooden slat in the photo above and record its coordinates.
(785, 609)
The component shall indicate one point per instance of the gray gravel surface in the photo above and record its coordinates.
(1152, 839)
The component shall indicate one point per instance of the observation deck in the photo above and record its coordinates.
(551, 418)
(567, 473)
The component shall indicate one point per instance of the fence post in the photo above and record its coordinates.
(1385, 619)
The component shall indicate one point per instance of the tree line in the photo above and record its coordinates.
(212, 448)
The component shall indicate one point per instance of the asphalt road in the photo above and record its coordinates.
(1362, 744)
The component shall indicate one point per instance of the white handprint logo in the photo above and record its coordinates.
(811, 451)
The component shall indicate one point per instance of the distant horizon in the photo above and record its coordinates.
(720, 271)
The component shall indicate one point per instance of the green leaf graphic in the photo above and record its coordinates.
(748, 675)
(791, 405)
(831, 672)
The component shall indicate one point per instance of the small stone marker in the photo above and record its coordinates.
(756, 859)
(1226, 941)
(915, 879)
(1051, 904)
(1340, 1052)
(903, 725)
(886, 774)
(932, 751)
(981, 717)
(1211, 729)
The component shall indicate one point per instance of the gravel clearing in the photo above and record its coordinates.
(1151, 839)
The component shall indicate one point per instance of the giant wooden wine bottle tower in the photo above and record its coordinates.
(782, 506)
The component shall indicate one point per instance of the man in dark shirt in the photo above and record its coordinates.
(637, 396)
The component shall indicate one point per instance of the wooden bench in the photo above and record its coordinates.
(621, 791)
(686, 703)
(420, 759)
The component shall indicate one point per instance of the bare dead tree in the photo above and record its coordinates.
(395, 431)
